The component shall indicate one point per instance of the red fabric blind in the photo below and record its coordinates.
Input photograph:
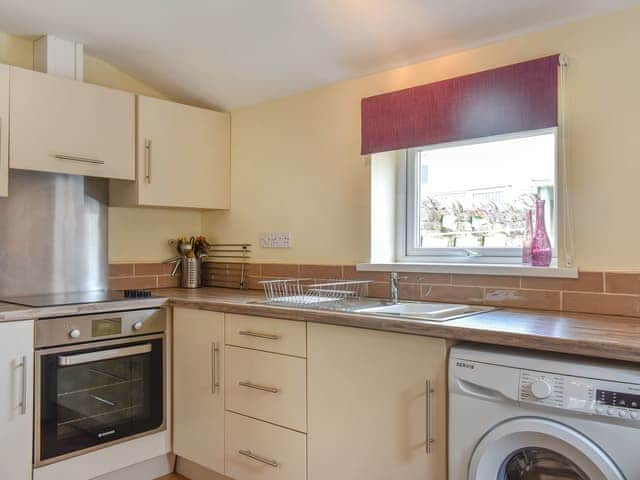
(515, 98)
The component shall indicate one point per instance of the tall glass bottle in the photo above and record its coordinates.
(540, 244)
(528, 237)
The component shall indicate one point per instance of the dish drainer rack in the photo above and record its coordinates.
(306, 292)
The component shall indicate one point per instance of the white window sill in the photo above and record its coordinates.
(478, 269)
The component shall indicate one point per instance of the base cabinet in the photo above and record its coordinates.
(198, 369)
(4, 130)
(370, 414)
(16, 402)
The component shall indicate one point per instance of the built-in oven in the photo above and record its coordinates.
(100, 379)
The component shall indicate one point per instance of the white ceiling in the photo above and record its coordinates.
(232, 53)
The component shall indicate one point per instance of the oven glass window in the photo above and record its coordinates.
(86, 403)
(539, 464)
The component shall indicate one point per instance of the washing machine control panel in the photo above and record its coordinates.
(589, 396)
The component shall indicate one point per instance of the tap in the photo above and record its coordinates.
(393, 287)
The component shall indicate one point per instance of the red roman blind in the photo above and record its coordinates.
(515, 98)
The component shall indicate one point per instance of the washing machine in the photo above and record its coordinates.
(523, 415)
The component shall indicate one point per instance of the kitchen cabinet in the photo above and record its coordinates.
(16, 402)
(4, 130)
(369, 409)
(183, 155)
(65, 126)
(198, 380)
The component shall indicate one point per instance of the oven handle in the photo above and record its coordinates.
(80, 358)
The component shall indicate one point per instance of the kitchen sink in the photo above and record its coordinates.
(434, 312)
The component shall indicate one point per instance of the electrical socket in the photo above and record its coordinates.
(275, 240)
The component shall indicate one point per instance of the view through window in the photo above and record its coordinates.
(475, 195)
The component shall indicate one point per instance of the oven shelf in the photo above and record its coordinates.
(99, 387)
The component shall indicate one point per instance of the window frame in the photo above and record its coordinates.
(408, 175)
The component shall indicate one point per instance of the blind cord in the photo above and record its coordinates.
(569, 232)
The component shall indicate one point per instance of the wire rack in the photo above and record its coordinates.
(305, 292)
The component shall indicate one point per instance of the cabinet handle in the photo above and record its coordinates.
(268, 336)
(215, 383)
(77, 158)
(255, 386)
(253, 456)
(147, 160)
(428, 436)
(23, 396)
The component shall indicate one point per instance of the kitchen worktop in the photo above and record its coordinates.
(602, 336)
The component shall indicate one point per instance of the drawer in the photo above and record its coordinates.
(268, 452)
(267, 386)
(268, 334)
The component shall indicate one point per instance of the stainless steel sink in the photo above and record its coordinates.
(434, 312)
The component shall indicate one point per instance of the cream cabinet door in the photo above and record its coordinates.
(198, 370)
(16, 402)
(183, 155)
(65, 126)
(4, 130)
(368, 406)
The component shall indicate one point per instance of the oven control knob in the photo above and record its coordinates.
(137, 325)
(541, 389)
(75, 333)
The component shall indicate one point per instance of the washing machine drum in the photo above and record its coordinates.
(539, 449)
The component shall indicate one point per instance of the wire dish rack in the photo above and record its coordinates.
(306, 292)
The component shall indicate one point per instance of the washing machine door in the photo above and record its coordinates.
(531, 448)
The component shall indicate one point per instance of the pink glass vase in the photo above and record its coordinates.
(528, 236)
(540, 244)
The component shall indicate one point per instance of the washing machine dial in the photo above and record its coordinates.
(541, 389)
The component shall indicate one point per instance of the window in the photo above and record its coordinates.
(466, 201)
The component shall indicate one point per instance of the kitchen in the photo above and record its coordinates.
(323, 195)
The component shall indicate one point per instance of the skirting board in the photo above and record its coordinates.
(148, 470)
(193, 471)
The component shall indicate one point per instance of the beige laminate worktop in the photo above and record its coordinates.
(602, 336)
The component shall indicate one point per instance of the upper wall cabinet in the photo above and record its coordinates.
(4, 130)
(183, 158)
(65, 126)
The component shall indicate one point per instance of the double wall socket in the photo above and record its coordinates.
(275, 240)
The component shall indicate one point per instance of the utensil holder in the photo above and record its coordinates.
(191, 272)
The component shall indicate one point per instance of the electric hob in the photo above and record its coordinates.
(75, 298)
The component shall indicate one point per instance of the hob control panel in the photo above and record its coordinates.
(592, 396)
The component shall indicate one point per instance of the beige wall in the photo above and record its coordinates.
(296, 164)
(135, 235)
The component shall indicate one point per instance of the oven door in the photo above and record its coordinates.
(95, 394)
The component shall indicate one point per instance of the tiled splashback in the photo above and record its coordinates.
(609, 293)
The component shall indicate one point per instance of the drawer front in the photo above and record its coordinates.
(268, 334)
(258, 450)
(267, 386)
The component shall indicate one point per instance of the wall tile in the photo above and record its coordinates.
(602, 303)
(349, 272)
(121, 270)
(430, 278)
(443, 293)
(486, 281)
(586, 282)
(145, 269)
(329, 272)
(537, 299)
(167, 281)
(279, 270)
(622, 282)
(122, 283)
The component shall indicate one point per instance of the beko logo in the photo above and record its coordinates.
(469, 366)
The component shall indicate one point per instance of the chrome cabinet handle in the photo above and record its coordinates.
(428, 436)
(253, 456)
(215, 383)
(23, 395)
(255, 386)
(147, 160)
(268, 336)
(76, 158)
